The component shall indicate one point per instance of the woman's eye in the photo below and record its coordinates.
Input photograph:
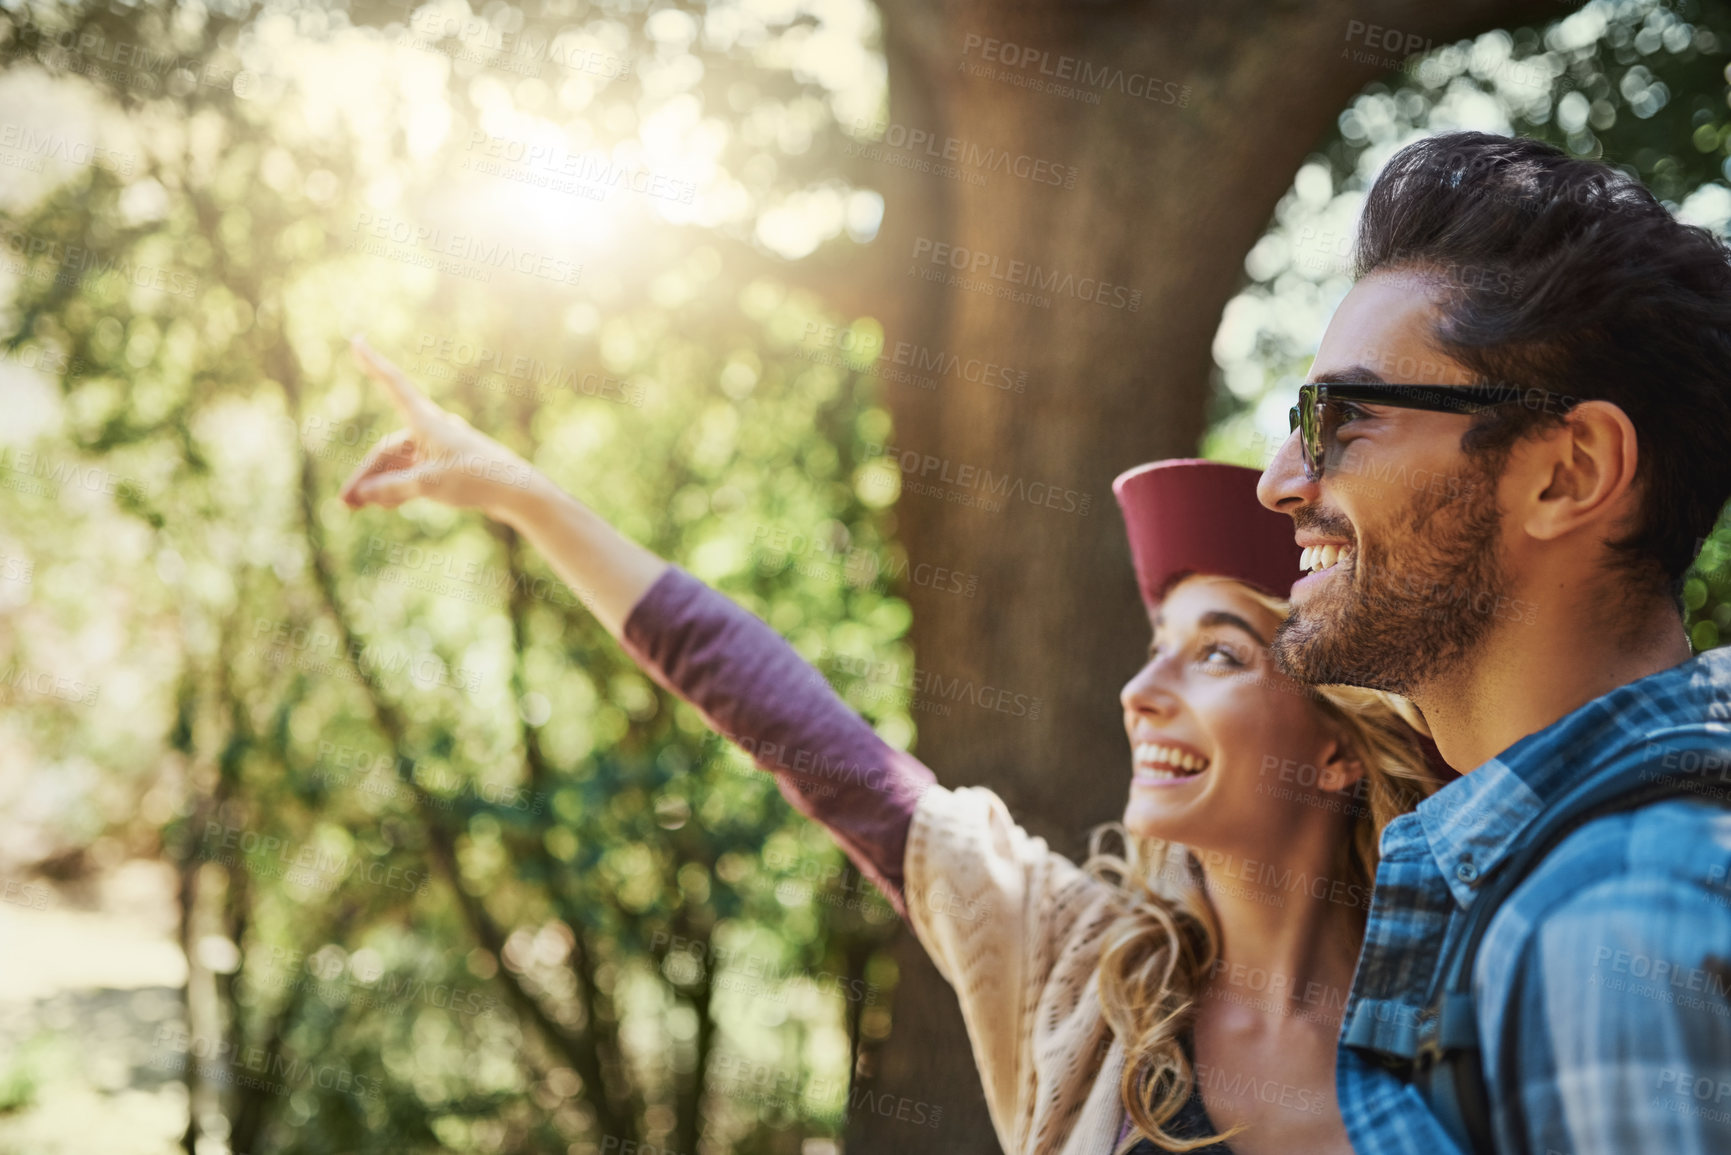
(1217, 655)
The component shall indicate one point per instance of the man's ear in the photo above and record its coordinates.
(1577, 475)
(1339, 770)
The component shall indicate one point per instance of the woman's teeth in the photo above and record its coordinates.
(1315, 558)
(1167, 761)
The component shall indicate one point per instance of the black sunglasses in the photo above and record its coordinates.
(1323, 404)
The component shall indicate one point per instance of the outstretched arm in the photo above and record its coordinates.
(749, 684)
(754, 689)
(441, 456)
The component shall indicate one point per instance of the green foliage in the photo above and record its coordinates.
(21, 1076)
(455, 874)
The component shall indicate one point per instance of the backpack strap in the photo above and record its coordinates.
(1445, 1062)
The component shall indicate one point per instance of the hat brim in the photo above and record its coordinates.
(1189, 516)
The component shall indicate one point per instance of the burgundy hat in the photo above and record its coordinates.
(1190, 516)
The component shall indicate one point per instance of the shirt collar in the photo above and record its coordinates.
(1475, 821)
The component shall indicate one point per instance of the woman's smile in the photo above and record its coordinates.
(1166, 762)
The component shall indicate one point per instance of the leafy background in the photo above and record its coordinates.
(366, 799)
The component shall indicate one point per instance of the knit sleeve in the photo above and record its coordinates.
(754, 689)
(1017, 931)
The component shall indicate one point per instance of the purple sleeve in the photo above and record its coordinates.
(755, 690)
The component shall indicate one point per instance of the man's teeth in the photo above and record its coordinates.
(1314, 558)
(1168, 761)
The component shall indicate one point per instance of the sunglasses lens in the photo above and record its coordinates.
(1312, 411)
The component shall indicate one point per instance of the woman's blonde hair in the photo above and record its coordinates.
(1162, 948)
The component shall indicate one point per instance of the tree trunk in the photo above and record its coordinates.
(1170, 191)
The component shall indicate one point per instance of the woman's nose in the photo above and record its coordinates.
(1145, 694)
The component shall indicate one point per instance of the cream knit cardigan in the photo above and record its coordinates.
(1018, 931)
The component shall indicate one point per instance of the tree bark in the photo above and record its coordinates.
(1168, 197)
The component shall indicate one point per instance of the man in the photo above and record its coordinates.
(1509, 556)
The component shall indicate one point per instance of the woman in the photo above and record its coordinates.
(1185, 991)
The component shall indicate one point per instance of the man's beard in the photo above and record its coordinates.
(1412, 606)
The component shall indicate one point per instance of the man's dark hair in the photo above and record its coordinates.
(1566, 275)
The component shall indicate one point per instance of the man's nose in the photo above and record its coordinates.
(1284, 486)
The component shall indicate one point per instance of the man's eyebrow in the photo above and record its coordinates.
(1352, 375)
(1222, 618)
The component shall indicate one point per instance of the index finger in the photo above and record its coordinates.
(415, 406)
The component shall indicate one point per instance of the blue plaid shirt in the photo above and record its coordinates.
(1604, 984)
